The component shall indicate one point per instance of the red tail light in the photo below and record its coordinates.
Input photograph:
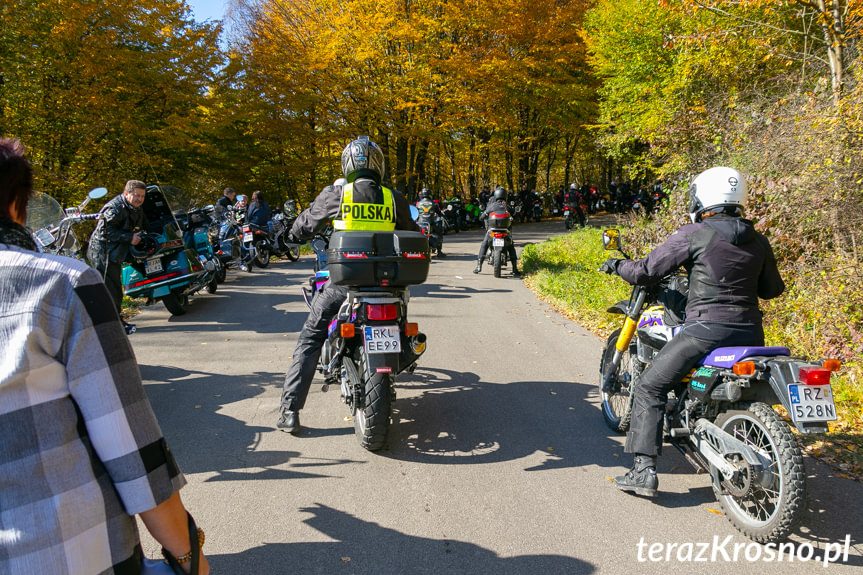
(498, 235)
(814, 375)
(247, 229)
(387, 311)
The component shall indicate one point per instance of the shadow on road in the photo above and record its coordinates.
(205, 441)
(364, 547)
(450, 291)
(459, 419)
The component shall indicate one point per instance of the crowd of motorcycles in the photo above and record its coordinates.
(181, 253)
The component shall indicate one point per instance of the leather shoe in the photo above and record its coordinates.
(289, 421)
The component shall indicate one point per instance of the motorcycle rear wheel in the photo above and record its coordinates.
(617, 407)
(293, 252)
(262, 254)
(777, 497)
(214, 284)
(372, 420)
(497, 261)
(176, 304)
(222, 274)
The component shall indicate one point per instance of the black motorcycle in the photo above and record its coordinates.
(280, 227)
(720, 416)
(501, 240)
(370, 341)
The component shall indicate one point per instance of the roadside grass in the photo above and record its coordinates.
(563, 272)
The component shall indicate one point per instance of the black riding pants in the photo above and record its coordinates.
(673, 362)
(325, 306)
(510, 246)
(112, 275)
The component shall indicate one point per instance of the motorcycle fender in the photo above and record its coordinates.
(160, 292)
(382, 363)
(783, 372)
(619, 307)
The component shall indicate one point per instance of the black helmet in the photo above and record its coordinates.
(362, 157)
(425, 193)
(499, 193)
(145, 248)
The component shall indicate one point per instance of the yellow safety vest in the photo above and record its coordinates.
(365, 217)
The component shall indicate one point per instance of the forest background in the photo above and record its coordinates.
(463, 93)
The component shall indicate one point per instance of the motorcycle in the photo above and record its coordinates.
(454, 215)
(568, 216)
(55, 227)
(280, 227)
(227, 242)
(256, 242)
(429, 222)
(516, 209)
(166, 269)
(536, 211)
(198, 227)
(498, 229)
(370, 340)
(720, 416)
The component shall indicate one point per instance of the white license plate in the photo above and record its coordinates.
(247, 237)
(498, 242)
(382, 339)
(153, 265)
(811, 403)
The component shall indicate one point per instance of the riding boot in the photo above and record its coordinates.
(289, 421)
(478, 267)
(641, 478)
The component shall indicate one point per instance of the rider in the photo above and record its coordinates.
(427, 206)
(730, 266)
(226, 201)
(496, 205)
(573, 200)
(363, 167)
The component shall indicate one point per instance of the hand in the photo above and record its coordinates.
(610, 266)
(136, 239)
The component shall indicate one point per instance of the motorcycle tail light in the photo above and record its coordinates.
(831, 364)
(246, 229)
(743, 368)
(411, 329)
(814, 375)
(378, 312)
(347, 330)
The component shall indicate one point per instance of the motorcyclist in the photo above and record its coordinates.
(363, 166)
(428, 206)
(730, 266)
(573, 200)
(484, 197)
(496, 205)
(224, 203)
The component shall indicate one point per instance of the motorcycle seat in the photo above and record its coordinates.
(728, 356)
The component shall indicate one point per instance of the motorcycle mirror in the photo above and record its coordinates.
(611, 239)
(97, 193)
(415, 213)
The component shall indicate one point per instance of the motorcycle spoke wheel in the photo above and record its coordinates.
(774, 502)
(372, 418)
(617, 406)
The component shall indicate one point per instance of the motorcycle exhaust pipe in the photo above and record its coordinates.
(418, 343)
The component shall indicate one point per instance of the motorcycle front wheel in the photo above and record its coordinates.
(372, 417)
(773, 500)
(617, 406)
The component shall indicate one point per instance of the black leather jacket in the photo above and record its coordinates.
(118, 222)
(730, 266)
(326, 207)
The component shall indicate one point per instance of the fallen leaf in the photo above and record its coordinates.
(616, 454)
(197, 407)
(348, 418)
(427, 441)
(346, 559)
(554, 393)
(572, 409)
(609, 478)
(203, 343)
(227, 339)
(714, 511)
(550, 448)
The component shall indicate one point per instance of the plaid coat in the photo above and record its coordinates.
(80, 448)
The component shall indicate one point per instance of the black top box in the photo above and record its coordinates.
(368, 259)
(498, 220)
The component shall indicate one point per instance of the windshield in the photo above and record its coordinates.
(43, 211)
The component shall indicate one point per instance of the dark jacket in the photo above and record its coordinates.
(223, 204)
(730, 266)
(118, 222)
(258, 214)
(494, 206)
(326, 207)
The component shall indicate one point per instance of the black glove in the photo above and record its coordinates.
(610, 266)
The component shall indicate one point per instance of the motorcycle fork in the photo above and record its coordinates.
(627, 332)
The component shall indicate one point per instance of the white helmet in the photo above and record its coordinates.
(339, 184)
(716, 189)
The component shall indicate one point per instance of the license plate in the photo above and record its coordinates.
(498, 242)
(247, 238)
(811, 403)
(153, 265)
(382, 339)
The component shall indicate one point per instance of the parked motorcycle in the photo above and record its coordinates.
(55, 227)
(720, 416)
(370, 341)
(536, 210)
(516, 209)
(198, 225)
(498, 229)
(280, 227)
(163, 268)
(226, 239)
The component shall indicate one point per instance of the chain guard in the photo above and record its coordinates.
(741, 485)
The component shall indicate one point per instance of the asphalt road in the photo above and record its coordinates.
(498, 460)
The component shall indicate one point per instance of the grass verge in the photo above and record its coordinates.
(563, 272)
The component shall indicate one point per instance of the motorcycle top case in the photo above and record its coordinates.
(498, 220)
(367, 259)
